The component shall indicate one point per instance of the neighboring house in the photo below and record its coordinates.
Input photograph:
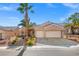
(6, 33)
(49, 30)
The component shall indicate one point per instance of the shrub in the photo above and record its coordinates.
(15, 40)
(31, 41)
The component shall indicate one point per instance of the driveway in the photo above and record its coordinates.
(57, 42)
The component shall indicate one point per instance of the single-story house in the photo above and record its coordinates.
(6, 34)
(45, 30)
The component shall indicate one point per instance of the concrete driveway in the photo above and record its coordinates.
(57, 42)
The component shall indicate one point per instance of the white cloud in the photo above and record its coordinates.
(50, 5)
(71, 5)
(6, 8)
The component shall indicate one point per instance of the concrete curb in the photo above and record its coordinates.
(37, 47)
(3, 47)
(45, 47)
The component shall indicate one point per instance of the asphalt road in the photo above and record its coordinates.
(43, 51)
(5, 52)
(52, 52)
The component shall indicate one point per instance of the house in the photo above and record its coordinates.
(6, 33)
(45, 30)
(49, 30)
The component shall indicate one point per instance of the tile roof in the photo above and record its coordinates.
(49, 26)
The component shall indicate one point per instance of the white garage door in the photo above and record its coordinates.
(39, 34)
(56, 34)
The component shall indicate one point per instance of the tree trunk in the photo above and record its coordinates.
(26, 19)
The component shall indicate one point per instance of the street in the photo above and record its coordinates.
(43, 51)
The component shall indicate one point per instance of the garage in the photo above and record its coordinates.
(53, 34)
(49, 30)
(48, 34)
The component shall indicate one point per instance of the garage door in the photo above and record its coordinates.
(39, 34)
(55, 34)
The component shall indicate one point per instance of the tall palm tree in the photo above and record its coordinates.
(74, 21)
(24, 8)
(23, 24)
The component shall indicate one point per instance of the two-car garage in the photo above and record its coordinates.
(48, 34)
(49, 31)
(54, 34)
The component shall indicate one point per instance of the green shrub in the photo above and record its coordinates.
(31, 41)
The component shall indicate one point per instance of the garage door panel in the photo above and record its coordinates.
(48, 34)
(56, 34)
(39, 34)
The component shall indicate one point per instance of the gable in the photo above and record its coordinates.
(54, 27)
(49, 26)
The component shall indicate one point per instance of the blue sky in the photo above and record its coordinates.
(54, 12)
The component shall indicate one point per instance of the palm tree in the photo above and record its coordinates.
(24, 8)
(23, 24)
(74, 22)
